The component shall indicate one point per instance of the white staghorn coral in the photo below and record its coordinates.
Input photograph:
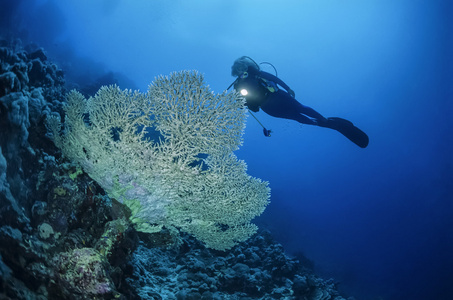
(212, 198)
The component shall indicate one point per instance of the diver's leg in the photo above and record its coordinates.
(308, 111)
(282, 105)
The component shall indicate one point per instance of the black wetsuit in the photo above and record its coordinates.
(263, 92)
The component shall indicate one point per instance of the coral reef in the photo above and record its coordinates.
(63, 237)
(257, 269)
(213, 198)
(83, 272)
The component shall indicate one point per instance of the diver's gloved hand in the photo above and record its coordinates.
(254, 108)
(291, 93)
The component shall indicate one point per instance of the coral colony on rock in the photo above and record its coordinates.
(131, 196)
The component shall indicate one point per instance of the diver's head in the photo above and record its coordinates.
(242, 64)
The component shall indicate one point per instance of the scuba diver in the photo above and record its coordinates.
(268, 92)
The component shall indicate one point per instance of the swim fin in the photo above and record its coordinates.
(348, 129)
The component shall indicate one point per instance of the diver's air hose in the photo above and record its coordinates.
(267, 132)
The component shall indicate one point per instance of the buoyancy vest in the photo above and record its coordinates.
(256, 87)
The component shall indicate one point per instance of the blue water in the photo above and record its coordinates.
(379, 220)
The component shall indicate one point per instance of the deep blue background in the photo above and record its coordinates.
(379, 220)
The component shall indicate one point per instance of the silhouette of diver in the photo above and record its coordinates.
(261, 90)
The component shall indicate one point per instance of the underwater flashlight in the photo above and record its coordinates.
(244, 92)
